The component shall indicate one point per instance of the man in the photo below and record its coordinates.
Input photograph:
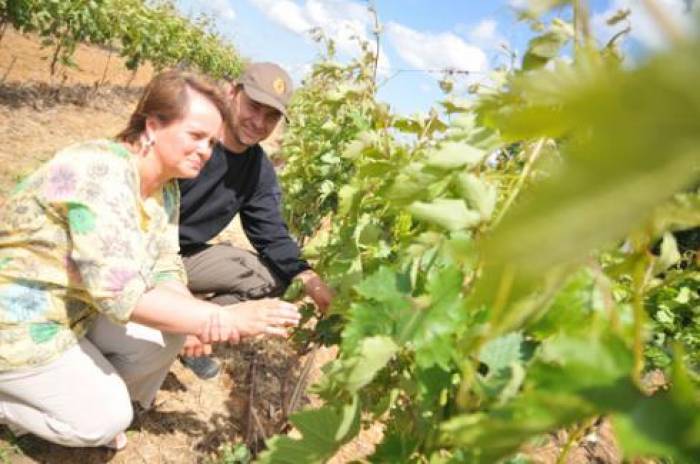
(239, 178)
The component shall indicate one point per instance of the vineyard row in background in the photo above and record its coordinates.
(139, 32)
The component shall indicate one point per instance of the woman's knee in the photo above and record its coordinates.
(92, 420)
(100, 427)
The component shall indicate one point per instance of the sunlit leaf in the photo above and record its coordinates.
(448, 213)
(480, 194)
(454, 155)
(323, 432)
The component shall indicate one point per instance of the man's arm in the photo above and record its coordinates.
(267, 231)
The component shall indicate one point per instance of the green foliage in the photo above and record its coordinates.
(233, 454)
(673, 305)
(493, 265)
(332, 108)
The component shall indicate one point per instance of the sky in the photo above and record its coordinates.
(419, 38)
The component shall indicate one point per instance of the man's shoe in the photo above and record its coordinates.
(204, 367)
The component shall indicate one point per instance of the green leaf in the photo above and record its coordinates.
(453, 155)
(657, 427)
(411, 184)
(573, 379)
(665, 425)
(544, 47)
(384, 286)
(347, 199)
(480, 194)
(356, 369)
(669, 254)
(612, 159)
(498, 354)
(449, 213)
(571, 308)
(323, 432)
(432, 330)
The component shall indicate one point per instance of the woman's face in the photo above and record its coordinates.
(184, 145)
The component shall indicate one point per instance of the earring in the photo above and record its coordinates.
(146, 145)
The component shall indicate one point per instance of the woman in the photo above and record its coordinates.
(93, 302)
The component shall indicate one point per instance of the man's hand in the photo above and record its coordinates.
(317, 289)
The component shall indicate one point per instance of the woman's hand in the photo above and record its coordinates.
(268, 316)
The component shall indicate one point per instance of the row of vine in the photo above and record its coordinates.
(137, 30)
(509, 265)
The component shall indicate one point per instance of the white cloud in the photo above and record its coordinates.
(519, 4)
(485, 31)
(297, 71)
(644, 27)
(220, 9)
(486, 35)
(435, 51)
(344, 21)
(285, 13)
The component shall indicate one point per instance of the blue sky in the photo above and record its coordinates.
(418, 36)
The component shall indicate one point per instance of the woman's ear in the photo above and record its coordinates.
(152, 124)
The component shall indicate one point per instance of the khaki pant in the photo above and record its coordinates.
(226, 275)
(83, 398)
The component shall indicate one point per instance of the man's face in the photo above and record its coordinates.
(250, 122)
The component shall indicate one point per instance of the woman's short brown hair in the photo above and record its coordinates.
(165, 98)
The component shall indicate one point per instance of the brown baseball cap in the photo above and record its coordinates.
(268, 84)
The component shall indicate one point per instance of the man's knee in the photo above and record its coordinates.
(229, 275)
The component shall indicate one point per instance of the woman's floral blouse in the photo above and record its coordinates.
(76, 239)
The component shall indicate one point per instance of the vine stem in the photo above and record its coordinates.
(54, 60)
(574, 438)
(251, 434)
(641, 274)
(104, 72)
(3, 28)
(664, 21)
(581, 22)
(373, 10)
(301, 382)
(534, 154)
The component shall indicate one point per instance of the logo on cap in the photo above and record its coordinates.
(278, 86)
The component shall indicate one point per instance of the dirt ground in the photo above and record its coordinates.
(194, 421)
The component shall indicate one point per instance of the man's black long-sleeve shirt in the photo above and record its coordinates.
(231, 183)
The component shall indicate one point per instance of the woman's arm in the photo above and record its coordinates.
(167, 308)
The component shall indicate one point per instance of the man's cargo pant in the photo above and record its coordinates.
(226, 275)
